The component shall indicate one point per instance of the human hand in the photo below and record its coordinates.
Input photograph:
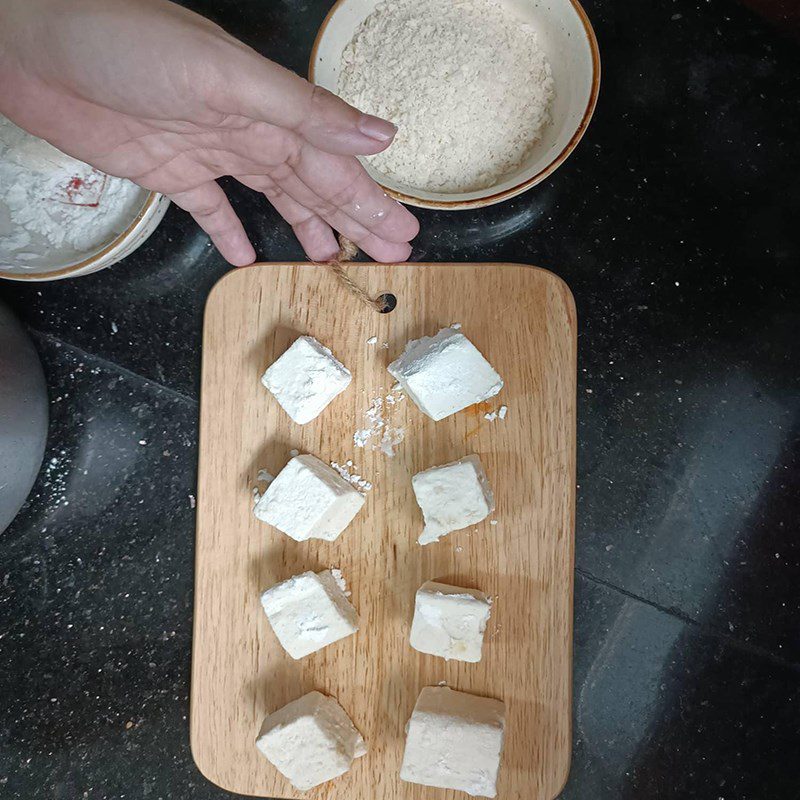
(149, 91)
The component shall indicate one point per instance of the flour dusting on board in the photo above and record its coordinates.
(379, 433)
(349, 472)
(340, 581)
(263, 479)
(499, 414)
(465, 81)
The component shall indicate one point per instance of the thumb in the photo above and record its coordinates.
(276, 95)
(335, 126)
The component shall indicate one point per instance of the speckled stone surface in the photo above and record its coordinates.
(675, 224)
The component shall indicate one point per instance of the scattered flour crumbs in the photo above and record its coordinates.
(499, 414)
(380, 433)
(349, 473)
(263, 479)
(466, 82)
(347, 470)
(340, 581)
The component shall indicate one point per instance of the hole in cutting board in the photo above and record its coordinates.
(388, 302)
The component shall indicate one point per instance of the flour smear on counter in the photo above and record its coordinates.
(465, 81)
(50, 201)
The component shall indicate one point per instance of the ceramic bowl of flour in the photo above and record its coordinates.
(510, 93)
(61, 218)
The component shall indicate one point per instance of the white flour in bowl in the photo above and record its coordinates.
(51, 202)
(467, 84)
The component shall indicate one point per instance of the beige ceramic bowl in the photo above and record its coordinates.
(58, 265)
(569, 41)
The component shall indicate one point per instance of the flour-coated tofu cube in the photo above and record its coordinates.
(454, 741)
(305, 379)
(449, 621)
(445, 373)
(310, 740)
(309, 500)
(452, 497)
(309, 612)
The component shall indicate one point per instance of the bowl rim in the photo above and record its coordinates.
(150, 202)
(513, 191)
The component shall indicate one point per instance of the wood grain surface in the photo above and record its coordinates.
(523, 320)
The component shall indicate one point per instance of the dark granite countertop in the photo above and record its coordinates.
(676, 225)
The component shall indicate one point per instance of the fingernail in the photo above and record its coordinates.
(376, 128)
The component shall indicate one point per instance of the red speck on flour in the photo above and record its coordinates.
(86, 192)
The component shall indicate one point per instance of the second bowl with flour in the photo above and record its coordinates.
(490, 96)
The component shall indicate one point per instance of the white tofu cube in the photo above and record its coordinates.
(449, 621)
(444, 373)
(309, 500)
(305, 379)
(309, 612)
(311, 740)
(452, 497)
(454, 741)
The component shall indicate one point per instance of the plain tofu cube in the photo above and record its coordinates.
(454, 741)
(309, 612)
(311, 740)
(305, 379)
(452, 497)
(309, 500)
(445, 373)
(449, 621)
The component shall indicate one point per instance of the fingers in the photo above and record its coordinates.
(372, 245)
(263, 90)
(313, 233)
(210, 208)
(312, 218)
(322, 187)
(343, 186)
(336, 127)
(338, 190)
(318, 213)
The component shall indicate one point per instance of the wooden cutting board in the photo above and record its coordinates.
(523, 320)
